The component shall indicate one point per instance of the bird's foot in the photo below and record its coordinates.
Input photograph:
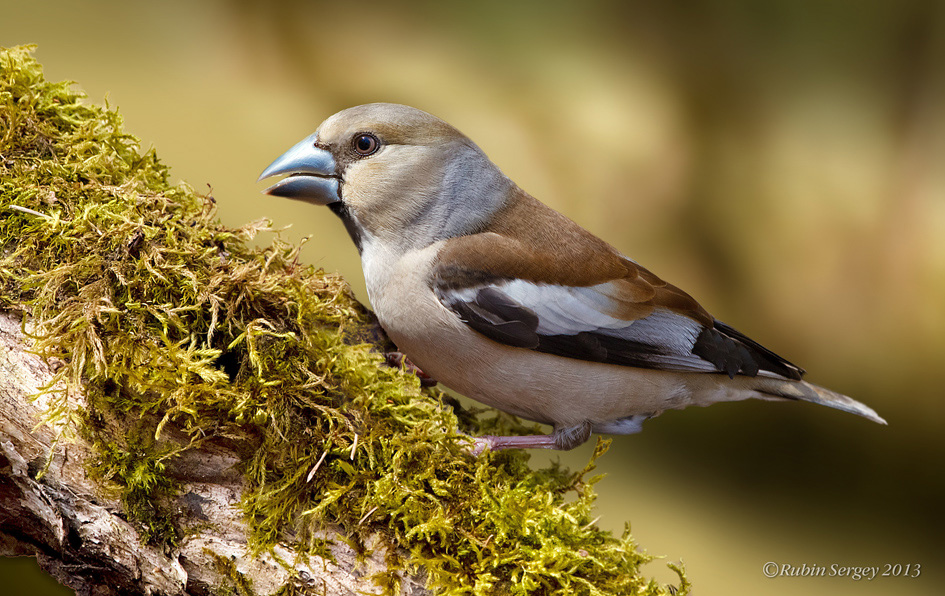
(399, 359)
(562, 439)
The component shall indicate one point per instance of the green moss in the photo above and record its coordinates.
(234, 582)
(165, 319)
(134, 465)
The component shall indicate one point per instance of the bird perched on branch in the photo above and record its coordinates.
(507, 301)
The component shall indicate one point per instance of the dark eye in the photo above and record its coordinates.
(366, 144)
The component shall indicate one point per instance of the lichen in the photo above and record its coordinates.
(163, 318)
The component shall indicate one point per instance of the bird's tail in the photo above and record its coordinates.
(804, 391)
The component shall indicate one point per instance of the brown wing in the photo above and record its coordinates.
(551, 286)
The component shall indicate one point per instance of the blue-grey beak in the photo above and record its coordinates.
(312, 176)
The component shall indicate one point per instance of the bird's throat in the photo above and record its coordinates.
(354, 229)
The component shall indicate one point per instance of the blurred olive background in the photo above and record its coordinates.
(783, 161)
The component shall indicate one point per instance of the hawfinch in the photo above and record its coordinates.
(507, 301)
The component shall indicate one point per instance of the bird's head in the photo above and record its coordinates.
(394, 174)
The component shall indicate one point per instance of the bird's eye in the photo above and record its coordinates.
(366, 144)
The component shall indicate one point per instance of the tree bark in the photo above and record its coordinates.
(78, 533)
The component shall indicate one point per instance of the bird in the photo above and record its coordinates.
(507, 301)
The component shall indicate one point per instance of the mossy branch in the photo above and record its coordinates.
(183, 413)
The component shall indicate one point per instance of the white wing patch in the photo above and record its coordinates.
(664, 328)
(568, 311)
(564, 310)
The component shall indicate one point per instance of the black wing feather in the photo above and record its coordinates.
(733, 352)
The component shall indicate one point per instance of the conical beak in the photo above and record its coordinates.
(311, 174)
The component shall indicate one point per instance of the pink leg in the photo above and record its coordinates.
(562, 439)
(494, 443)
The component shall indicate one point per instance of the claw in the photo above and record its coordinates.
(399, 359)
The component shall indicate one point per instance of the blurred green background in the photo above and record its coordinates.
(783, 161)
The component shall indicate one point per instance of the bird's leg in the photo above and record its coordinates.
(398, 359)
(496, 443)
(562, 439)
